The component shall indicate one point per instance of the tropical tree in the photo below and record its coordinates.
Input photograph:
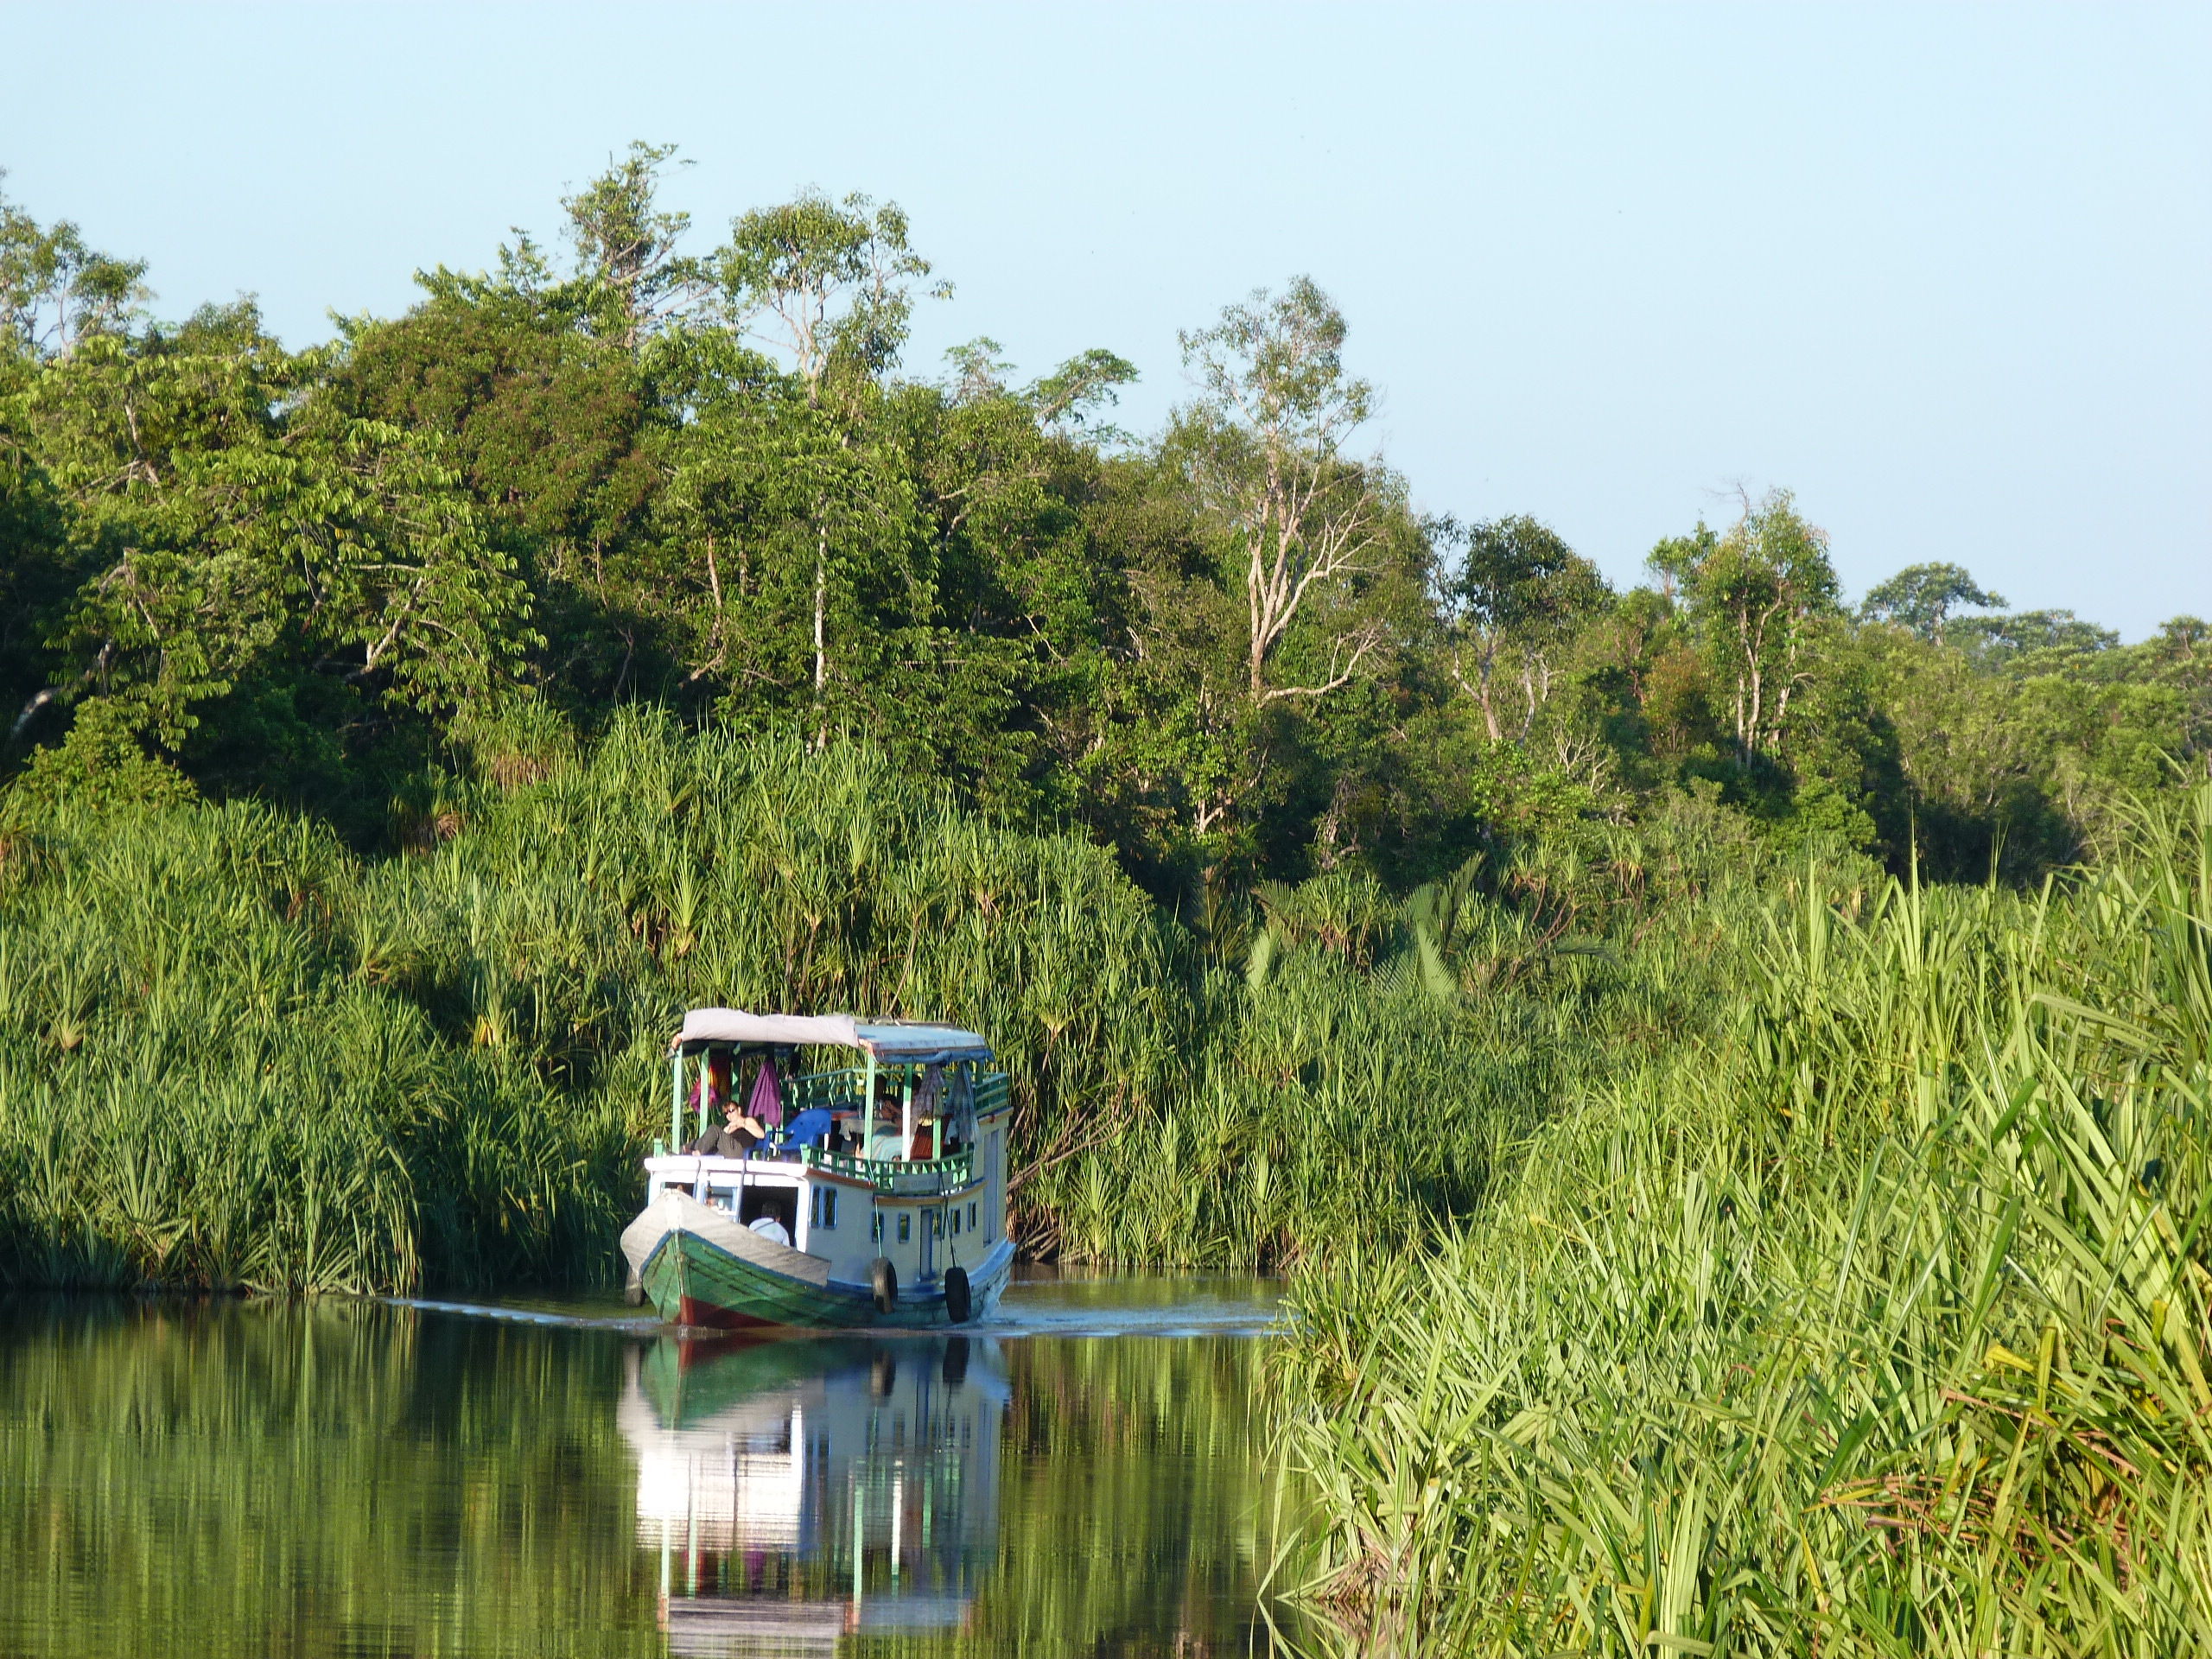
(1519, 585)
(1306, 518)
(522, 377)
(625, 246)
(1072, 393)
(1759, 593)
(804, 525)
(54, 289)
(823, 282)
(219, 531)
(1921, 598)
(1999, 640)
(829, 284)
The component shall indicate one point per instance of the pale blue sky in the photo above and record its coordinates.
(1942, 272)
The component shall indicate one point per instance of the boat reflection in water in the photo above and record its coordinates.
(796, 1492)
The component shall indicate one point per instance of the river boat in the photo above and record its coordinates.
(877, 1197)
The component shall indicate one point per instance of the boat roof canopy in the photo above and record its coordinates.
(892, 1041)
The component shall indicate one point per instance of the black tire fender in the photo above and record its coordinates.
(958, 1306)
(883, 1279)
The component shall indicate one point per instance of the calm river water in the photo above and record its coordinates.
(1084, 1474)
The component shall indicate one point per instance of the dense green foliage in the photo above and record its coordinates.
(1876, 1316)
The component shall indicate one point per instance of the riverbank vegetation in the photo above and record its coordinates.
(1720, 1057)
(1875, 1318)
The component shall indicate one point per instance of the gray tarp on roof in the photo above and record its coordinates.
(899, 1044)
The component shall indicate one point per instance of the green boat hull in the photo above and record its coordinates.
(692, 1281)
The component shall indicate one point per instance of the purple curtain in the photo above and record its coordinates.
(767, 1094)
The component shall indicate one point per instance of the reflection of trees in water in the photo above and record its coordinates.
(313, 1478)
(345, 1478)
(1134, 1492)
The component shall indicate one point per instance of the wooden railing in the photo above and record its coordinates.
(896, 1175)
(834, 1089)
(992, 1091)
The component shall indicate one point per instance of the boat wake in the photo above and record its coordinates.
(631, 1325)
(1203, 1318)
(1028, 1310)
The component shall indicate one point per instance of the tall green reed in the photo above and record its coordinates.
(1877, 1324)
(233, 1054)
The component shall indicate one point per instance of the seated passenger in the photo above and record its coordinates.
(736, 1137)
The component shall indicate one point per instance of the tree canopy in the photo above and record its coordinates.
(624, 468)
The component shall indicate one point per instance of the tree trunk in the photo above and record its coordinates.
(1536, 688)
(820, 649)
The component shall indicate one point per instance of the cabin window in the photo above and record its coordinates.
(955, 1224)
(971, 1218)
(825, 1207)
(906, 1228)
(875, 1230)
